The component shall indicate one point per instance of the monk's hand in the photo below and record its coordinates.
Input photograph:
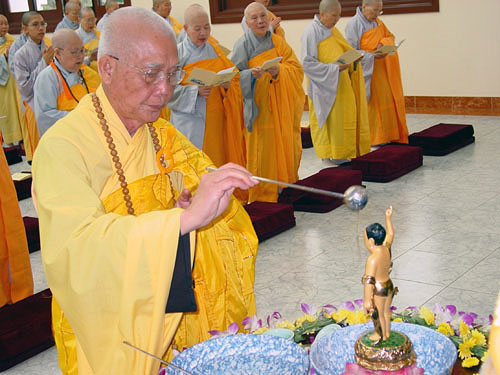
(257, 72)
(275, 23)
(204, 91)
(226, 85)
(93, 55)
(343, 67)
(380, 55)
(274, 70)
(213, 195)
(48, 54)
(184, 200)
(388, 212)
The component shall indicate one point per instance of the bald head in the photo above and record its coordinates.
(71, 6)
(4, 25)
(28, 16)
(68, 49)
(3, 18)
(63, 37)
(371, 2)
(252, 7)
(371, 9)
(193, 12)
(111, 4)
(327, 6)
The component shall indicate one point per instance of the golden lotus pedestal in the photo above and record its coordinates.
(392, 354)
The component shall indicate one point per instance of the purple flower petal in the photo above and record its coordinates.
(452, 309)
(247, 322)
(468, 319)
(348, 306)
(233, 328)
(215, 332)
(306, 309)
(329, 308)
(162, 371)
(490, 318)
(359, 302)
(393, 308)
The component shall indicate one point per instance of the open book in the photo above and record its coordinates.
(20, 176)
(270, 63)
(389, 49)
(348, 57)
(203, 77)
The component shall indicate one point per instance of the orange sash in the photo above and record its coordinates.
(386, 108)
(274, 146)
(30, 131)
(16, 280)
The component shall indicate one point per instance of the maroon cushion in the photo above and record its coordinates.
(269, 219)
(305, 135)
(23, 188)
(13, 154)
(32, 233)
(441, 139)
(331, 179)
(25, 329)
(388, 162)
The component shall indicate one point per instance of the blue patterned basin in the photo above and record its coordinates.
(436, 354)
(243, 355)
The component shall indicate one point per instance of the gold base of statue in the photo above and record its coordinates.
(392, 354)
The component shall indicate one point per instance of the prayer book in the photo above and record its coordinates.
(348, 57)
(224, 50)
(270, 63)
(92, 46)
(20, 176)
(389, 49)
(203, 77)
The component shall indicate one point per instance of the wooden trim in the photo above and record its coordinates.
(453, 105)
(231, 11)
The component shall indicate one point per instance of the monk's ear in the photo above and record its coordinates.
(107, 66)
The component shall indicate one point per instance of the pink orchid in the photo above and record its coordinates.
(347, 306)
(329, 309)
(252, 323)
(273, 319)
(231, 330)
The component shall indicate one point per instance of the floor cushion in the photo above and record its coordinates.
(32, 233)
(305, 135)
(13, 154)
(441, 139)
(270, 219)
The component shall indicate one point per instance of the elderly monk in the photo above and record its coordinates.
(71, 17)
(386, 105)
(337, 101)
(273, 103)
(10, 108)
(210, 117)
(118, 224)
(89, 36)
(61, 85)
(110, 6)
(16, 280)
(274, 25)
(163, 9)
(29, 61)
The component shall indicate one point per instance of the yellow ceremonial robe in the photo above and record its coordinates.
(9, 39)
(279, 30)
(176, 25)
(111, 272)
(386, 108)
(274, 146)
(16, 280)
(346, 132)
(90, 47)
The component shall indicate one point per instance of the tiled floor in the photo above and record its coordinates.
(446, 248)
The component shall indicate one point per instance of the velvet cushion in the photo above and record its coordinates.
(13, 154)
(23, 188)
(305, 135)
(25, 329)
(270, 219)
(32, 233)
(331, 179)
(388, 162)
(441, 139)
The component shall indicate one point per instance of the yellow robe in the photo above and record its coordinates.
(274, 146)
(176, 25)
(346, 132)
(386, 108)
(279, 30)
(10, 106)
(16, 280)
(90, 46)
(109, 271)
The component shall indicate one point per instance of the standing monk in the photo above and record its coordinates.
(337, 101)
(29, 61)
(273, 103)
(386, 104)
(210, 117)
(274, 25)
(126, 204)
(163, 8)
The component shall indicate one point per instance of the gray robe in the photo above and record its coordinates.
(86, 36)
(66, 23)
(18, 43)
(102, 21)
(354, 30)
(245, 49)
(188, 108)
(28, 63)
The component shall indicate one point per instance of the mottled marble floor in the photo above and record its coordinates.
(446, 248)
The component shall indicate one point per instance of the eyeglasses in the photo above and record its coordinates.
(377, 12)
(75, 53)
(154, 76)
(36, 25)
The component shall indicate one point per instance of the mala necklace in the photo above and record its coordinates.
(167, 165)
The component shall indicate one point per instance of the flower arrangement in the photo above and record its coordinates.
(467, 331)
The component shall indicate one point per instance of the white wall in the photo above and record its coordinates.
(455, 52)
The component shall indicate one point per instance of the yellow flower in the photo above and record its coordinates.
(260, 330)
(463, 329)
(470, 362)
(485, 356)
(285, 324)
(305, 318)
(341, 315)
(398, 320)
(478, 337)
(357, 317)
(427, 315)
(445, 329)
(464, 348)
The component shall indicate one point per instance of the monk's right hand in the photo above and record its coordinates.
(257, 72)
(48, 54)
(213, 195)
(204, 91)
(343, 67)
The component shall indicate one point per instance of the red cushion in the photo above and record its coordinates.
(331, 179)
(32, 233)
(269, 219)
(13, 154)
(23, 188)
(25, 329)
(305, 135)
(388, 162)
(441, 139)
